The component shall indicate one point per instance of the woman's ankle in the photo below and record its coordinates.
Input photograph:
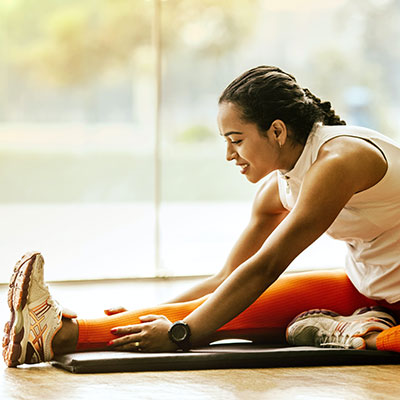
(66, 338)
(370, 340)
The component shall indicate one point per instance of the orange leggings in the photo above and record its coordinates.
(267, 318)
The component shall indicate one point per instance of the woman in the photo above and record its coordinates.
(321, 176)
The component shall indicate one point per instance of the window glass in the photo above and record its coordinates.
(76, 136)
(79, 171)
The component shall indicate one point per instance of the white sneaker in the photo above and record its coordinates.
(325, 328)
(35, 316)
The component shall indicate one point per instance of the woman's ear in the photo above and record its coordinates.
(279, 131)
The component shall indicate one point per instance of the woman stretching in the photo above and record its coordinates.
(320, 176)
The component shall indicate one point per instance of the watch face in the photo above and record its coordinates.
(179, 332)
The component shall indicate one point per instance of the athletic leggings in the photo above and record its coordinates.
(267, 318)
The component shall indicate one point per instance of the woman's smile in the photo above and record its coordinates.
(243, 168)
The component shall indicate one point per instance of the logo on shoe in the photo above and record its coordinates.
(38, 328)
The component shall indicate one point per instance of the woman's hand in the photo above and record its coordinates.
(149, 336)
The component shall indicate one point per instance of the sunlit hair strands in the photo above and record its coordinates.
(267, 93)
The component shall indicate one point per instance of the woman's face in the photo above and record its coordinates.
(255, 154)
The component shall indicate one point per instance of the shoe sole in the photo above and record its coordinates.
(18, 291)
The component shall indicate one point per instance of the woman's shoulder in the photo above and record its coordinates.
(354, 157)
(346, 139)
(322, 133)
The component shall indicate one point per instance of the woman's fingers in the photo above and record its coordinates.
(149, 336)
(114, 310)
(129, 341)
(126, 330)
(151, 317)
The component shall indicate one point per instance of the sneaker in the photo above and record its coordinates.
(35, 316)
(325, 328)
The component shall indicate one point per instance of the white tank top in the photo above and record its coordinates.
(370, 221)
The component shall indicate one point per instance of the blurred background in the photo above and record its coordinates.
(110, 159)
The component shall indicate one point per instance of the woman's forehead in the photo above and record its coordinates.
(229, 114)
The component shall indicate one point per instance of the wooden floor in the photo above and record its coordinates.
(353, 383)
(46, 382)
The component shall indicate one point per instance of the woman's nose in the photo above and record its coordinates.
(230, 153)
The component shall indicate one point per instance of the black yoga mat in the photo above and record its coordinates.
(220, 356)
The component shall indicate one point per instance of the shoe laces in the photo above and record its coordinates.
(335, 339)
(342, 335)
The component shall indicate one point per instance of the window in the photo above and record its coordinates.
(76, 136)
(111, 163)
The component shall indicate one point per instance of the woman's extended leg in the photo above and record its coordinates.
(265, 320)
(36, 322)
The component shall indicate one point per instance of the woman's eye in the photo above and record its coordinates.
(236, 141)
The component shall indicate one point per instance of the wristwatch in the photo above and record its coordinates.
(179, 333)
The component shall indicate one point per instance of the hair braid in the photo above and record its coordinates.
(329, 115)
(267, 93)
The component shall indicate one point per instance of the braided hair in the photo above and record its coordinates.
(267, 93)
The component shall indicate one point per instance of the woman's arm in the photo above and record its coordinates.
(267, 213)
